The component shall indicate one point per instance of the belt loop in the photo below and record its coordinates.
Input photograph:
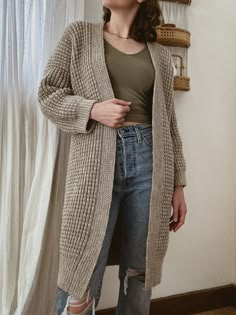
(138, 133)
(118, 132)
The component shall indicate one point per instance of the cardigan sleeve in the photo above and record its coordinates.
(179, 158)
(69, 112)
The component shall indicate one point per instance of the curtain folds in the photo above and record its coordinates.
(33, 156)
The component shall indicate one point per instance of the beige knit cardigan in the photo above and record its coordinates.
(75, 77)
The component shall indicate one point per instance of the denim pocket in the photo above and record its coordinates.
(147, 137)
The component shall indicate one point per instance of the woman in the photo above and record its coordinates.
(110, 86)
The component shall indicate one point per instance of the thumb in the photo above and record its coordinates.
(175, 212)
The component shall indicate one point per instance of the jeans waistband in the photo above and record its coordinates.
(130, 130)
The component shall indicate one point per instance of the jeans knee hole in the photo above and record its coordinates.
(138, 275)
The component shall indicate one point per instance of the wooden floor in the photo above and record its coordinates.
(220, 311)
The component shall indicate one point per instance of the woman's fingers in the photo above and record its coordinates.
(179, 213)
(119, 101)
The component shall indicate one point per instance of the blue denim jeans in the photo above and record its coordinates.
(131, 194)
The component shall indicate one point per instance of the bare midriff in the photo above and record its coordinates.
(128, 123)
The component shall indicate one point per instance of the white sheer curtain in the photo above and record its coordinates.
(33, 156)
(175, 13)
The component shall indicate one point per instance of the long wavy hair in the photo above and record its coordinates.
(148, 17)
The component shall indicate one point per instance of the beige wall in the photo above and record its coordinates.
(202, 254)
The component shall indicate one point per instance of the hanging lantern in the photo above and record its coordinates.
(181, 81)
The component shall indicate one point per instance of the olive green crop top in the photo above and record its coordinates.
(132, 79)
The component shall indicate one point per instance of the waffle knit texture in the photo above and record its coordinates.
(74, 79)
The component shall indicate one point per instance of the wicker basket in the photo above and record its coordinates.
(181, 83)
(188, 2)
(170, 35)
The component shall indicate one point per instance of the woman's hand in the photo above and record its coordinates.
(111, 112)
(179, 209)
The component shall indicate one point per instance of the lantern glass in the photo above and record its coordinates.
(180, 60)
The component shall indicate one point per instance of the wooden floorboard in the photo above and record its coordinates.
(212, 301)
(220, 311)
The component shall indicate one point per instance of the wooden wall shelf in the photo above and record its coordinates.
(179, 1)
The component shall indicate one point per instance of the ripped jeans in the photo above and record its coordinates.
(131, 194)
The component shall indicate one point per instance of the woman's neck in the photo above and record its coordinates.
(121, 21)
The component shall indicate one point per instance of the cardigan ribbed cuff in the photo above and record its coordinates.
(85, 123)
(180, 178)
